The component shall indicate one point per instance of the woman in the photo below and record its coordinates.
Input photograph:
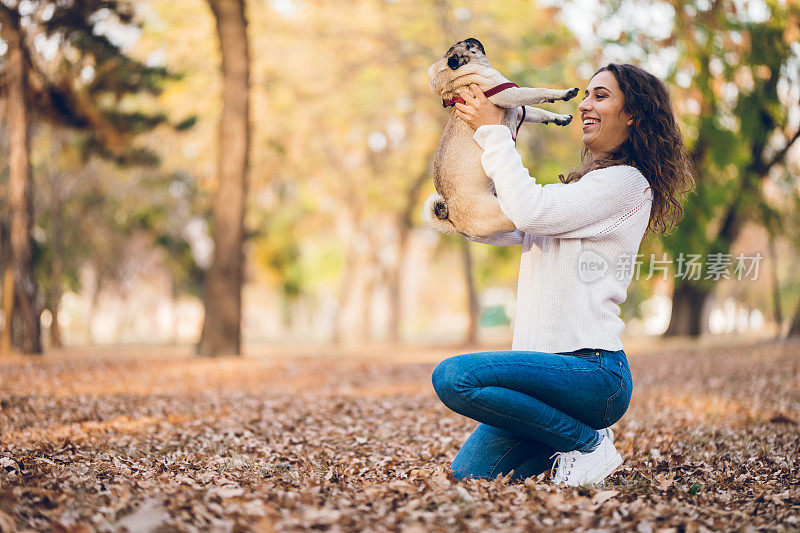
(566, 378)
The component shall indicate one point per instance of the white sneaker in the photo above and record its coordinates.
(577, 468)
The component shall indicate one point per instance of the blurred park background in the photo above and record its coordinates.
(232, 175)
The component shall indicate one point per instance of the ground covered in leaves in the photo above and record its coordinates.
(153, 440)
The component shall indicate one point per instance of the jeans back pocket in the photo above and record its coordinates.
(587, 354)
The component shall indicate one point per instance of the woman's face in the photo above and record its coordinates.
(605, 123)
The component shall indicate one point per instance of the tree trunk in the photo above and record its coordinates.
(775, 286)
(97, 289)
(687, 310)
(794, 329)
(27, 336)
(173, 305)
(350, 265)
(369, 281)
(223, 292)
(8, 294)
(394, 274)
(392, 277)
(55, 327)
(472, 296)
(365, 324)
(57, 270)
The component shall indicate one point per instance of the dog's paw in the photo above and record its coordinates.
(566, 95)
(562, 120)
(572, 93)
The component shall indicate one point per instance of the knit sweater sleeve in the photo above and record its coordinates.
(506, 238)
(594, 205)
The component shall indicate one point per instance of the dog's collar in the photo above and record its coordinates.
(490, 92)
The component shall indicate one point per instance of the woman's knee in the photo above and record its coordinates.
(443, 377)
(447, 379)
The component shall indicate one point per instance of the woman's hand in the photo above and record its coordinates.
(478, 110)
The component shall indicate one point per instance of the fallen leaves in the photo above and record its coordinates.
(603, 496)
(92, 444)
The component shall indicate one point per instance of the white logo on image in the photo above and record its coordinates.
(591, 266)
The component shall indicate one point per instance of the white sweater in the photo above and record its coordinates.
(564, 227)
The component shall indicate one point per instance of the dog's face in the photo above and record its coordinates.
(466, 51)
(444, 71)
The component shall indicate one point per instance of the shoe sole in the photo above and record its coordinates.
(606, 471)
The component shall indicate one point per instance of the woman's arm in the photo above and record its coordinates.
(595, 204)
(587, 208)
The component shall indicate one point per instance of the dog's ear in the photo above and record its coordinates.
(476, 42)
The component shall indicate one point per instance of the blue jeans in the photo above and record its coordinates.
(530, 405)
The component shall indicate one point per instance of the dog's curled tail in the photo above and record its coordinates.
(435, 214)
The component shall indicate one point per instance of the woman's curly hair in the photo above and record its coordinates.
(654, 145)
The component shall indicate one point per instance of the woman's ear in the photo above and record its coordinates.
(630, 121)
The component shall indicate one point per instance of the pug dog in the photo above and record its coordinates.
(465, 200)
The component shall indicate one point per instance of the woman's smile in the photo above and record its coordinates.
(588, 122)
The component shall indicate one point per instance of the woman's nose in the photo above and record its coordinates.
(584, 105)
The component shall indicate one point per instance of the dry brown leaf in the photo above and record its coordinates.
(7, 524)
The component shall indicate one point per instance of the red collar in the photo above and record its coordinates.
(491, 92)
